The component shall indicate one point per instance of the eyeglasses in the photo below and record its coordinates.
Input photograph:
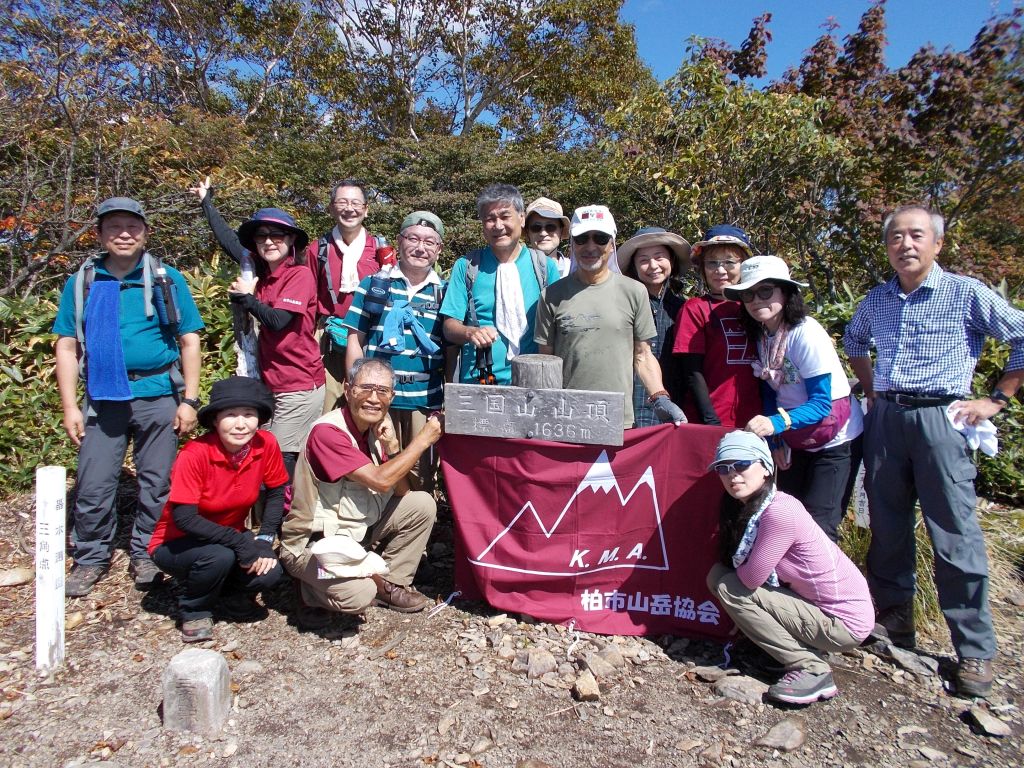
(728, 467)
(384, 393)
(428, 243)
(728, 265)
(551, 227)
(341, 204)
(763, 292)
(601, 238)
(274, 235)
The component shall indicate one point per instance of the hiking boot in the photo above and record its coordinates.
(897, 623)
(799, 686)
(197, 630)
(83, 578)
(145, 572)
(397, 598)
(241, 606)
(974, 678)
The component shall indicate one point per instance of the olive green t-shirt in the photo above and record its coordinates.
(592, 328)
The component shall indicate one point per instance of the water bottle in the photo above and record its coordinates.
(376, 298)
(164, 298)
(248, 266)
(386, 255)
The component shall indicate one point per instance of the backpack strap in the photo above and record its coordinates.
(83, 281)
(472, 270)
(540, 267)
(323, 258)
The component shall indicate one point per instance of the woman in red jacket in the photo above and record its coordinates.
(201, 538)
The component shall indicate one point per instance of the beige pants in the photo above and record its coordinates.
(334, 366)
(786, 626)
(403, 531)
(407, 425)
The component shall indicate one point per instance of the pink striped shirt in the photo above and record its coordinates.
(808, 563)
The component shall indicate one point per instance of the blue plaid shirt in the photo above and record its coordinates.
(930, 340)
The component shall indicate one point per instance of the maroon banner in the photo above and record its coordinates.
(619, 539)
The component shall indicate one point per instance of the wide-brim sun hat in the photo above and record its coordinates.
(237, 392)
(721, 234)
(647, 236)
(549, 209)
(759, 269)
(741, 445)
(343, 557)
(593, 218)
(268, 217)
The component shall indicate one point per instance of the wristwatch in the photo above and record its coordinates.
(998, 396)
(195, 402)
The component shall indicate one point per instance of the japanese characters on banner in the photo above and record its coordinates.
(618, 538)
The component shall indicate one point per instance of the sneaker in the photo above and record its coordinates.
(974, 677)
(197, 630)
(398, 598)
(145, 572)
(798, 686)
(83, 578)
(897, 623)
(241, 606)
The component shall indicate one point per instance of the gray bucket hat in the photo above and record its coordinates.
(741, 445)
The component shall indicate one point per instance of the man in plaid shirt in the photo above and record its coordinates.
(928, 328)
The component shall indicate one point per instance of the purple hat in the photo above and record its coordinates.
(277, 217)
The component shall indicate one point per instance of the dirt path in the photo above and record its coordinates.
(449, 691)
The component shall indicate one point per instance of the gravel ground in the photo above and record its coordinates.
(466, 687)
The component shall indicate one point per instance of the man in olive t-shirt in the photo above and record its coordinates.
(600, 322)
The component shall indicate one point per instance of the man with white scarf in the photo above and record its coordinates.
(491, 302)
(600, 322)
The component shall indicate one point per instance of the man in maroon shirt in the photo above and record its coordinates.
(352, 496)
(351, 255)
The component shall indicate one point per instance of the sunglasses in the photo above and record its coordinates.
(550, 227)
(601, 238)
(275, 236)
(764, 293)
(728, 467)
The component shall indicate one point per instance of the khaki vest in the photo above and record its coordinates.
(345, 507)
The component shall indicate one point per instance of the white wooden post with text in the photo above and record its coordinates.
(51, 495)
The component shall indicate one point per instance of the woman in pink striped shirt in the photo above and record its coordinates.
(783, 582)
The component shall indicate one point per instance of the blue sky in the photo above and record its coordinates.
(663, 26)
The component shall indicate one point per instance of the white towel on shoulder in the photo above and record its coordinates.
(509, 306)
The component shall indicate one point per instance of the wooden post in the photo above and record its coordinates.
(537, 372)
(51, 492)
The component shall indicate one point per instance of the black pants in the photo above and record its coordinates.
(204, 570)
(818, 479)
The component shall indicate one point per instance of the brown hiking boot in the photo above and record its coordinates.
(397, 598)
(974, 677)
(897, 623)
(83, 578)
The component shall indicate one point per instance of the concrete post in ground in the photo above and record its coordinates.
(197, 692)
(51, 492)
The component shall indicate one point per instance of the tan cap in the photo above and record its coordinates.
(549, 209)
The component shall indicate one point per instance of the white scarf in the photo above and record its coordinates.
(749, 536)
(350, 255)
(509, 307)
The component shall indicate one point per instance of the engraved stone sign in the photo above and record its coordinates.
(558, 415)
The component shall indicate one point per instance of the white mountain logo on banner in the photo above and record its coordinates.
(630, 534)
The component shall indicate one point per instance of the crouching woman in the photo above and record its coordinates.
(783, 582)
(201, 538)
